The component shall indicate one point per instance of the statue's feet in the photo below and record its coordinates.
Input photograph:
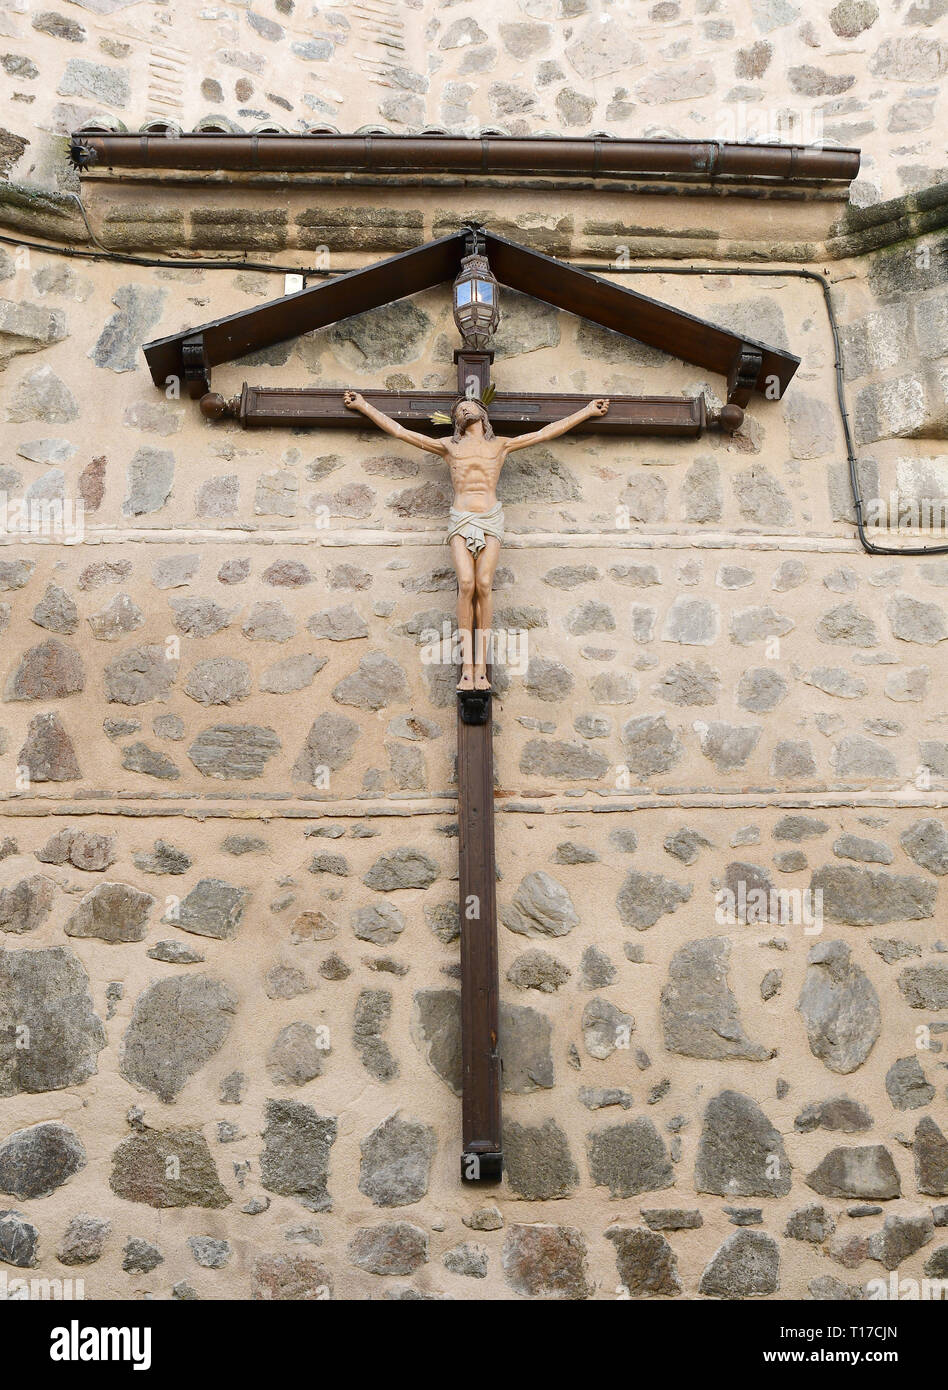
(467, 680)
(481, 682)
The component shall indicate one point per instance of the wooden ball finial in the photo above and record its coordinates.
(731, 418)
(213, 406)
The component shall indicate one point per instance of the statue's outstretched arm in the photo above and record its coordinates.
(385, 422)
(558, 427)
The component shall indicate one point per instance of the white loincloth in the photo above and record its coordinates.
(476, 526)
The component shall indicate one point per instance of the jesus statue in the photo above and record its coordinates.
(476, 520)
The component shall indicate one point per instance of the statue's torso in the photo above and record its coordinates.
(475, 468)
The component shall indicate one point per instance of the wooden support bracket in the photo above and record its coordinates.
(744, 374)
(473, 369)
(196, 367)
(474, 706)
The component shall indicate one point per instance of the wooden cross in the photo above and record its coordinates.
(748, 366)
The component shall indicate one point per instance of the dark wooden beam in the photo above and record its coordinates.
(482, 1146)
(673, 416)
(577, 291)
(625, 311)
(250, 330)
(482, 1157)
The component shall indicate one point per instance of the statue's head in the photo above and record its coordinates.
(464, 414)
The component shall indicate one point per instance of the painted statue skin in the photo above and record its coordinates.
(475, 457)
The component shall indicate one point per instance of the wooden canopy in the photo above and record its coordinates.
(748, 365)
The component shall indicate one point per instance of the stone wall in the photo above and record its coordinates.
(690, 1108)
(228, 858)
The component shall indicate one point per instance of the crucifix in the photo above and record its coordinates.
(475, 456)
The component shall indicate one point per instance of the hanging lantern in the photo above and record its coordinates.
(476, 310)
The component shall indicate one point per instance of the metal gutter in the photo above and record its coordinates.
(591, 156)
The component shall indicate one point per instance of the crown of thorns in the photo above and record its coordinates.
(442, 417)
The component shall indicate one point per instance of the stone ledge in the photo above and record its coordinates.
(118, 804)
(540, 540)
(202, 216)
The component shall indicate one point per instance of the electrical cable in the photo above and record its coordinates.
(869, 546)
(121, 258)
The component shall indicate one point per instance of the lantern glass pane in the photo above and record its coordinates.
(485, 291)
(462, 293)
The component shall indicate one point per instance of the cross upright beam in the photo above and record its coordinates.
(482, 1144)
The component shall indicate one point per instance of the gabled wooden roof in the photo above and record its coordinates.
(748, 365)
